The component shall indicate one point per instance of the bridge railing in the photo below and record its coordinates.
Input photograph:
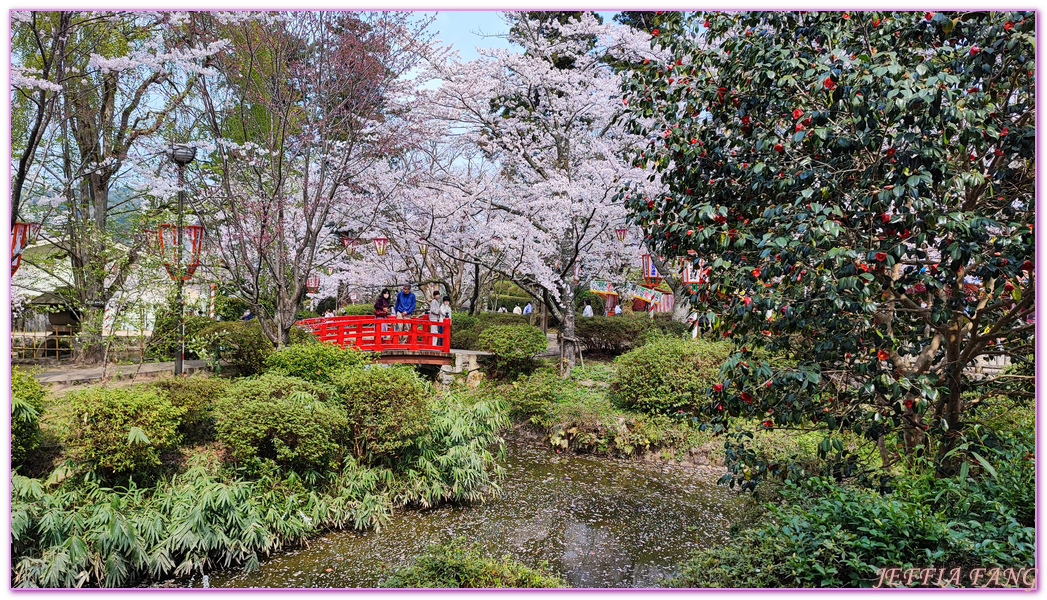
(375, 334)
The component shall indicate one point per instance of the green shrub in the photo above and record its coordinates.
(531, 396)
(313, 362)
(302, 336)
(165, 340)
(829, 535)
(514, 347)
(283, 419)
(242, 342)
(27, 404)
(458, 565)
(466, 329)
(609, 335)
(359, 309)
(668, 375)
(196, 396)
(122, 430)
(387, 409)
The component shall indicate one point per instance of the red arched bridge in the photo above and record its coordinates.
(416, 341)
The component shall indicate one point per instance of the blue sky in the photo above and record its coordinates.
(467, 29)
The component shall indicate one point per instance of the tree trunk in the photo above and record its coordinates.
(681, 303)
(568, 344)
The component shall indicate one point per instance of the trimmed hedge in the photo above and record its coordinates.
(668, 375)
(314, 362)
(122, 430)
(514, 347)
(466, 328)
(387, 408)
(196, 396)
(283, 419)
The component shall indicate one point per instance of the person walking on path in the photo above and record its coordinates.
(517, 310)
(588, 310)
(381, 310)
(434, 315)
(405, 303)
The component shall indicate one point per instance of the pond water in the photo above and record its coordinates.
(595, 522)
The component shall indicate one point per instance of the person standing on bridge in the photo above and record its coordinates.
(434, 315)
(381, 310)
(405, 303)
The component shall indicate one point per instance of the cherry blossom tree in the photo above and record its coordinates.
(308, 103)
(93, 96)
(550, 118)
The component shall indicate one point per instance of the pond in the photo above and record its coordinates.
(595, 522)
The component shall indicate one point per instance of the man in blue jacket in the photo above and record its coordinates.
(405, 302)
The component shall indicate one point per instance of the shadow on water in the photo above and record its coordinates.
(596, 522)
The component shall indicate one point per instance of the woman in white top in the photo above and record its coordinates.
(588, 310)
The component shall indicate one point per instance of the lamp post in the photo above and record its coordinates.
(182, 155)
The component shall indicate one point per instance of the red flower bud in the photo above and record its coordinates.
(779, 148)
(928, 16)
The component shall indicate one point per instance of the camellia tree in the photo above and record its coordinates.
(862, 185)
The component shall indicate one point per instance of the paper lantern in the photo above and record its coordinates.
(21, 236)
(181, 264)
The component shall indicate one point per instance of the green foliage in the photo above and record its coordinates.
(165, 340)
(514, 347)
(453, 460)
(242, 342)
(359, 309)
(27, 403)
(843, 175)
(530, 396)
(88, 536)
(196, 397)
(668, 375)
(459, 565)
(314, 362)
(828, 535)
(122, 430)
(284, 419)
(609, 335)
(387, 408)
(466, 328)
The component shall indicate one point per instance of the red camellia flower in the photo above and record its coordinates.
(929, 16)
(882, 355)
(747, 397)
(846, 16)
(1007, 287)
(890, 152)
(797, 113)
(768, 384)
(908, 403)
(706, 24)
(799, 127)
(718, 387)
(881, 256)
(655, 32)
(807, 121)
(1027, 265)
(1004, 131)
(650, 204)
(886, 217)
(829, 83)
(768, 424)
(876, 22)
(747, 300)
(756, 272)
(779, 148)
(1008, 25)
(745, 120)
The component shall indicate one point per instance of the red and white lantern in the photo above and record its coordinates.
(380, 244)
(650, 273)
(21, 236)
(620, 232)
(312, 284)
(423, 246)
(181, 263)
(350, 244)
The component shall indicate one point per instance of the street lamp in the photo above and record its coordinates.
(182, 155)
